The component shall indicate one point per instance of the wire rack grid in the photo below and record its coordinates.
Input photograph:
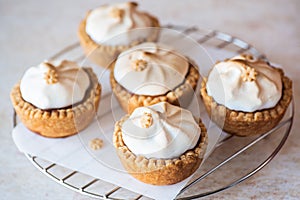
(96, 188)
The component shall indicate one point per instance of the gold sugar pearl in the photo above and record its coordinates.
(139, 65)
(146, 120)
(51, 75)
(249, 74)
(96, 144)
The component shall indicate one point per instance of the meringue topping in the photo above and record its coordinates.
(107, 21)
(245, 84)
(50, 86)
(150, 69)
(166, 131)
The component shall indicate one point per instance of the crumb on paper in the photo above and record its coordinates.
(96, 144)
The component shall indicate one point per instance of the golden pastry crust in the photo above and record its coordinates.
(160, 171)
(59, 122)
(104, 55)
(248, 123)
(129, 101)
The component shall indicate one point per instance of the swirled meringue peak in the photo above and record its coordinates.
(49, 86)
(244, 84)
(107, 21)
(150, 69)
(161, 131)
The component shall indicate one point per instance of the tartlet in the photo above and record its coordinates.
(242, 120)
(150, 73)
(60, 100)
(180, 156)
(110, 29)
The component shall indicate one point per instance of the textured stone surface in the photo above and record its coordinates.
(33, 30)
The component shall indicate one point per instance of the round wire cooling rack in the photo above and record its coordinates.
(225, 167)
